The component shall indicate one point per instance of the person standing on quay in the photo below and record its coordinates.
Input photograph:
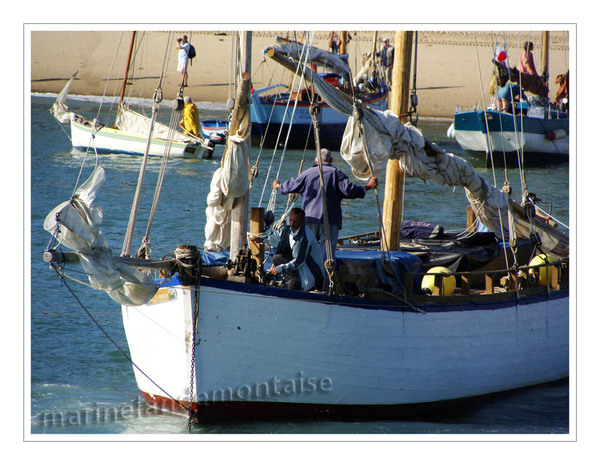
(183, 58)
(386, 55)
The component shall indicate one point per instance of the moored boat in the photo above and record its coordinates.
(213, 337)
(85, 133)
(281, 115)
(541, 139)
(131, 132)
(215, 130)
(535, 131)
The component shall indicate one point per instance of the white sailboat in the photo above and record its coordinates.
(129, 133)
(214, 341)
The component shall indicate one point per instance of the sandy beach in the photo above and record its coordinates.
(453, 67)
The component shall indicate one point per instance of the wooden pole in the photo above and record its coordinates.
(257, 226)
(545, 55)
(394, 178)
(344, 42)
(239, 212)
(124, 86)
(374, 50)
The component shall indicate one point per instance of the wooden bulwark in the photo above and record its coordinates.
(496, 283)
(506, 283)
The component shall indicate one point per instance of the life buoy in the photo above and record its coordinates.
(554, 135)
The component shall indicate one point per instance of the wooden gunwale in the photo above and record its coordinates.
(556, 273)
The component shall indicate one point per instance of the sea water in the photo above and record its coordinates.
(80, 380)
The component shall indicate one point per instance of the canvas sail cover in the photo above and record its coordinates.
(60, 110)
(372, 137)
(300, 52)
(230, 181)
(76, 225)
(131, 121)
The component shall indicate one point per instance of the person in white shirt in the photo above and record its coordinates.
(182, 59)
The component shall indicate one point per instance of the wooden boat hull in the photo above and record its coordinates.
(262, 350)
(541, 140)
(113, 140)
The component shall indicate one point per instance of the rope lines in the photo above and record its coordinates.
(114, 343)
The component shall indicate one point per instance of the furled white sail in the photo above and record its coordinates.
(76, 225)
(230, 181)
(60, 110)
(131, 121)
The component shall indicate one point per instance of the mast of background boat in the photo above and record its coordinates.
(394, 178)
(545, 56)
(239, 212)
(343, 42)
(124, 86)
(374, 54)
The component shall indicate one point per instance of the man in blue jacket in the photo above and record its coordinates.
(337, 187)
(298, 257)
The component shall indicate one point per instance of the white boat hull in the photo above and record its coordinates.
(475, 141)
(543, 140)
(114, 140)
(261, 351)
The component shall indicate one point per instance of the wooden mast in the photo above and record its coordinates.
(545, 56)
(124, 86)
(374, 50)
(239, 212)
(394, 179)
(343, 42)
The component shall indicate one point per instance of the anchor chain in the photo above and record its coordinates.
(193, 357)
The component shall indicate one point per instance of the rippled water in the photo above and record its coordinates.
(80, 381)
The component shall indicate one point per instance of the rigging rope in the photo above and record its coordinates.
(108, 80)
(329, 259)
(193, 356)
(506, 189)
(302, 62)
(414, 100)
(127, 357)
(487, 128)
(144, 251)
(135, 205)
